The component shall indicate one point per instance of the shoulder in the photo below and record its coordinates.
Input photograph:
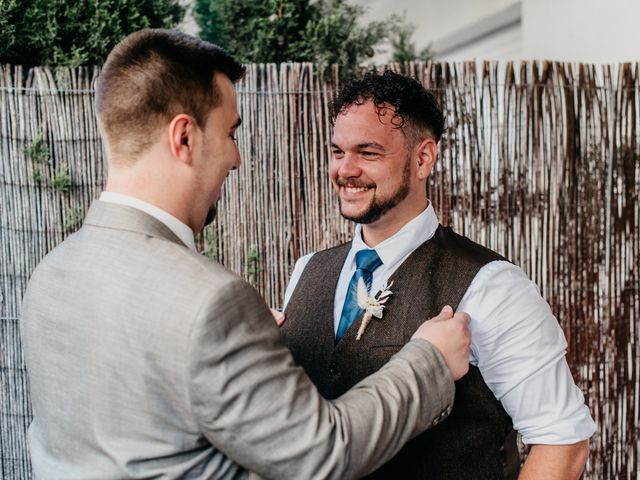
(203, 273)
(321, 257)
(338, 251)
(502, 280)
(302, 262)
(463, 247)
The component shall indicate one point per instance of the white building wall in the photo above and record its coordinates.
(434, 19)
(503, 45)
(594, 31)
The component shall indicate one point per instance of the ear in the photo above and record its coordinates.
(182, 137)
(426, 153)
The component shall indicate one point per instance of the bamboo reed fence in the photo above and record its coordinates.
(540, 161)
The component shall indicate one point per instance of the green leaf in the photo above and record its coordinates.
(82, 32)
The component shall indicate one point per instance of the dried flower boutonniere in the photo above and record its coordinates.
(372, 306)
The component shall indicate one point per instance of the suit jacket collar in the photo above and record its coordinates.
(122, 217)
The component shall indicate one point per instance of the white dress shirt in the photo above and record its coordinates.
(516, 341)
(182, 231)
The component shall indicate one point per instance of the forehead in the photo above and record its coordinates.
(364, 123)
(228, 104)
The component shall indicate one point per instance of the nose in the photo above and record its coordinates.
(348, 166)
(238, 161)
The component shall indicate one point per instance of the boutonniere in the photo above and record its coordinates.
(372, 306)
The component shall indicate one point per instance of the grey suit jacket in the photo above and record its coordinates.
(147, 360)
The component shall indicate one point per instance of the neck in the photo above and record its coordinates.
(392, 221)
(149, 186)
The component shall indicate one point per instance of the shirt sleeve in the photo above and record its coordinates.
(295, 277)
(520, 350)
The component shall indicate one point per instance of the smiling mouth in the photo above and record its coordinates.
(350, 189)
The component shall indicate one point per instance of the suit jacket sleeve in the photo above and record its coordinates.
(259, 408)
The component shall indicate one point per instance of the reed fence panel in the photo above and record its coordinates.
(539, 161)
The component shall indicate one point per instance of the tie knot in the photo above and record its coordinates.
(368, 260)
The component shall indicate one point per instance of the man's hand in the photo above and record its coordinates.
(449, 333)
(278, 316)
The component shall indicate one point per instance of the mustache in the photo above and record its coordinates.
(345, 182)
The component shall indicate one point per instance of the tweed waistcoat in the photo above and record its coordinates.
(477, 441)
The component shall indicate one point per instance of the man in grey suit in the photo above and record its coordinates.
(146, 360)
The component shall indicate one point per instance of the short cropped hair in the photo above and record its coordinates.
(150, 77)
(416, 111)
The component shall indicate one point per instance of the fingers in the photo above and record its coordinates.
(449, 332)
(463, 318)
(445, 314)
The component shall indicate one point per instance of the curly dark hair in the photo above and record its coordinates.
(416, 110)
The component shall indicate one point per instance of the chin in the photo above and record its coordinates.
(355, 207)
(352, 212)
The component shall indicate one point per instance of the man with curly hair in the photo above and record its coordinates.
(383, 149)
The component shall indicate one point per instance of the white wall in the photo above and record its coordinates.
(434, 18)
(438, 19)
(503, 45)
(594, 31)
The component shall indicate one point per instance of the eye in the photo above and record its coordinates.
(369, 154)
(336, 152)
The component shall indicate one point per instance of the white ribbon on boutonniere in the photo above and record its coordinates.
(372, 306)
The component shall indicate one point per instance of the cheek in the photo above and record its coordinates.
(334, 166)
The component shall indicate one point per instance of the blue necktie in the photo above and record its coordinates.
(366, 263)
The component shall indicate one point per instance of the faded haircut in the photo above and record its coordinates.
(150, 77)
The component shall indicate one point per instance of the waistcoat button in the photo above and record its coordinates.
(333, 368)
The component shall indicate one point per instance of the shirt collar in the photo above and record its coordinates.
(395, 248)
(182, 231)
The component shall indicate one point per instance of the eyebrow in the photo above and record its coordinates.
(237, 124)
(362, 146)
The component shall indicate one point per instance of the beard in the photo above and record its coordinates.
(378, 207)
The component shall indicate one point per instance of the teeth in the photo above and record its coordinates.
(355, 189)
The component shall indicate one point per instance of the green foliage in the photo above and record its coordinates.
(70, 34)
(37, 150)
(336, 37)
(61, 181)
(211, 243)
(208, 19)
(254, 30)
(37, 177)
(253, 264)
(38, 153)
(403, 49)
(72, 219)
(324, 31)
(44, 175)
